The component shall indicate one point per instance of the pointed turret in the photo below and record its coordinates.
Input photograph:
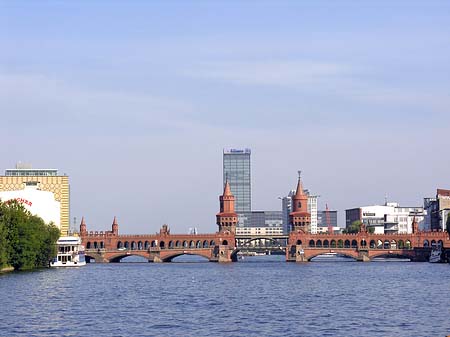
(83, 229)
(299, 192)
(115, 226)
(300, 217)
(227, 189)
(300, 199)
(227, 217)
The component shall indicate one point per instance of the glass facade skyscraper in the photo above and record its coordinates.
(236, 168)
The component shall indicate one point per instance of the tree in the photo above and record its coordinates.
(26, 241)
(355, 227)
(3, 243)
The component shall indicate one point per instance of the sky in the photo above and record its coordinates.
(135, 101)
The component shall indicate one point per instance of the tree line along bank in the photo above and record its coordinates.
(26, 241)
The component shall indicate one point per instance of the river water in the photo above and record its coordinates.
(259, 296)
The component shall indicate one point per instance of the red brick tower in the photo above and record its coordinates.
(227, 217)
(115, 227)
(83, 229)
(299, 217)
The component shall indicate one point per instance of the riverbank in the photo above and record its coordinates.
(6, 270)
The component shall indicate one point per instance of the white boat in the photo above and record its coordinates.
(70, 252)
(436, 253)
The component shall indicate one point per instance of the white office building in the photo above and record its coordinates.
(388, 218)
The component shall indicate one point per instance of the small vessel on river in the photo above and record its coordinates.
(436, 254)
(70, 252)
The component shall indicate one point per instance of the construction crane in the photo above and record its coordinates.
(327, 214)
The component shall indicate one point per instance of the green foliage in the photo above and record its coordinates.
(353, 228)
(26, 241)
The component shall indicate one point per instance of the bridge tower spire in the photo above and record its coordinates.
(300, 218)
(115, 226)
(227, 217)
(83, 229)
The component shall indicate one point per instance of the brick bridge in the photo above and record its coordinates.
(364, 246)
(110, 246)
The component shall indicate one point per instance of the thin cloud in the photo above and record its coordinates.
(286, 74)
(59, 102)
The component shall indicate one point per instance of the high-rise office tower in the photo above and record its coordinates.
(236, 170)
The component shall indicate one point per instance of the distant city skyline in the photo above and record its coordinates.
(137, 109)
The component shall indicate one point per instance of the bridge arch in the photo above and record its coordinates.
(267, 239)
(119, 256)
(426, 243)
(162, 245)
(333, 243)
(198, 244)
(119, 244)
(205, 244)
(393, 244)
(319, 243)
(171, 245)
(170, 257)
(312, 243)
(326, 243)
(350, 253)
(386, 254)
(146, 245)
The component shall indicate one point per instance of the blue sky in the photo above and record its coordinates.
(356, 94)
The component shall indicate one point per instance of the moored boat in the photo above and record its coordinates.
(436, 255)
(70, 252)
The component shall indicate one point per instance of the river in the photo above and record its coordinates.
(259, 296)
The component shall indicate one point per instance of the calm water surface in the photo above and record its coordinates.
(260, 296)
